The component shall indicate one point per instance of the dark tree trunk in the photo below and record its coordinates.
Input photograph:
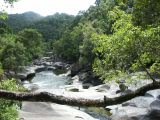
(48, 97)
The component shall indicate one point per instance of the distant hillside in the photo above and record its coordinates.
(20, 21)
(51, 27)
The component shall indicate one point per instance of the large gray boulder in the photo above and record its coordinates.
(139, 108)
(128, 113)
(48, 111)
(139, 102)
(153, 93)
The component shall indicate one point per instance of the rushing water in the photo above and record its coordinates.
(49, 80)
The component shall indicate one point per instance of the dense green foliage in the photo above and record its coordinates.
(51, 27)
(13, 56)
(4, 28)
(128, 48)
(18, 50)
(110, 38)
(20, 21)
(67, 47)
(114, 38)
(146, 12)
(32, 41)
(8, 108)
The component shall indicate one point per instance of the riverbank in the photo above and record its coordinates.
(143, 107)
(49, 111)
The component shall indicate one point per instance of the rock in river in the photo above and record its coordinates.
(48, 111)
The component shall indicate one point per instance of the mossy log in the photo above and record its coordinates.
(48, 97)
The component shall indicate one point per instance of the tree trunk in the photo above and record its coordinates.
(48, 97)
(145, 69)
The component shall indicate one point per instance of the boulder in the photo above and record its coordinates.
(59, 65)
(75, 68)
(139, 102)
(128, 113)
(102, 88)
(155, 105)
(40, 69)
(86, 86)
(154, 111)
(89, 77)
(48, 111)
(83, 76)
(29, 71)
(50, 68)
(73, 89)
(31, 87)
(47, 63)
(153, 93)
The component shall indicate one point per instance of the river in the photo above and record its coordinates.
(48, 80)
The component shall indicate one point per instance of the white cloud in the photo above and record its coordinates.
(49, 7)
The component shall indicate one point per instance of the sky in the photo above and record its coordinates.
(49, 7)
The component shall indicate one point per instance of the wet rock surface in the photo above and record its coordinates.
(39, 65)
(50, 82)
(141, 102)
(140, 108)
(28, 72)
(48, 111)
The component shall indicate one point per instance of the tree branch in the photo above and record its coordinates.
(48, 97)
(145, 69)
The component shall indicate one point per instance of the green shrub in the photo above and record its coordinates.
(9, 108)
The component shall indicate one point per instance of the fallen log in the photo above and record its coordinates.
(48, 97)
